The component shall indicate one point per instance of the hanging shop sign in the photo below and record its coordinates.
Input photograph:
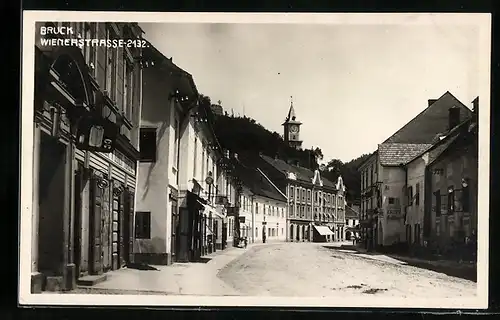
(232, 211)
(96, 134)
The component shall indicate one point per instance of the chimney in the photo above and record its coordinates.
(431, 101)
(475, 106)
(453, 117)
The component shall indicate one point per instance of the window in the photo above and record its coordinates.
(89, 52)
(308, 196)
(142, 225)
(256, 208)
(417, 194)
(176, 143)
(111, 66)
(466, 198)
(437, 196)
(281, 231)
(304, 194)
(451, 199)
(195, 161)
(410, 196)
(147, 144)
(291, 192)
(202, 163)
(128, 86)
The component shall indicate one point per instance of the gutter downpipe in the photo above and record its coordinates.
(403, 166)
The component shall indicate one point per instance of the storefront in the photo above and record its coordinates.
(84, 176)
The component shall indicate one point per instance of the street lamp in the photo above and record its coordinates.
(209, 180)
(465, 182)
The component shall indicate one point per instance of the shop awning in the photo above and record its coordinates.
(208, 209)
(324, 231)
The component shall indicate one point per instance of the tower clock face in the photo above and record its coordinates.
(294, 129)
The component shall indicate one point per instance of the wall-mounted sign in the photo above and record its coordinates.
(96, 134)
(242, 219)
(232, 211)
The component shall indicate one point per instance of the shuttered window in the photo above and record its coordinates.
(147, 145)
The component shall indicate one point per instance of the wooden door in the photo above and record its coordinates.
(106, 233)
(175, 230)
(117, 213)
(95, 254)
(77, 234)
(129, 222)
(122, 227)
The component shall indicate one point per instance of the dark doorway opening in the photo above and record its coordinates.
(51, 202)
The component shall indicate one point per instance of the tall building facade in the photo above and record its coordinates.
(86, 133)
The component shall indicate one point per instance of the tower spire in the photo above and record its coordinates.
(291, 111)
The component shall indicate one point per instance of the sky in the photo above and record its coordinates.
(353, 86)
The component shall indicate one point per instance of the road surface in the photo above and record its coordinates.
(310, 269)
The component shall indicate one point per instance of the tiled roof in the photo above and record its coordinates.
(351, 213)
(256, 182)
(394, 154)
(302, 174)
(443, 141)
(431, 121)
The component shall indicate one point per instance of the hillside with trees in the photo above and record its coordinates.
(245, 135)
(349, 173)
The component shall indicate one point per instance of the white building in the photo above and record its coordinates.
(263, 213)
(174, 219)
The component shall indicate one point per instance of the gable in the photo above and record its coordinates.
(340, 184)
(316, 180)
(433, 120)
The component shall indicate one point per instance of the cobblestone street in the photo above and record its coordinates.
(310, 269)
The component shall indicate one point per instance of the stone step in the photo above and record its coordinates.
(91, 280)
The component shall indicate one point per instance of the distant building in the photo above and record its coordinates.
(384, 173)
(263, 206)
(351, 222)
(316, 205)
(217, 109)
(291, 129)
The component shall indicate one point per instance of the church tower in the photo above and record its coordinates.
(292, 129)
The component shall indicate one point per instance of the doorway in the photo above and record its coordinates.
(51, 202)
(174, 244)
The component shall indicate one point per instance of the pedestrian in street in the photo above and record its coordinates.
(246, 242)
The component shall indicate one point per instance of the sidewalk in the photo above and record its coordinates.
(193, 278)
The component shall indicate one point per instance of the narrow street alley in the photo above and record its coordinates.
(310, 269)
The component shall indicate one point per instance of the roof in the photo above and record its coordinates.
(290, 118)
(256, 182)
(302, 174)
(184, 80)
(395, 154)
(422, 129)
(443, 141)
(367, 159)
(350, 212)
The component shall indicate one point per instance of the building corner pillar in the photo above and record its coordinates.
(69, 270)
(36, 277)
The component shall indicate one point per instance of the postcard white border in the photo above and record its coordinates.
(481, 20)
